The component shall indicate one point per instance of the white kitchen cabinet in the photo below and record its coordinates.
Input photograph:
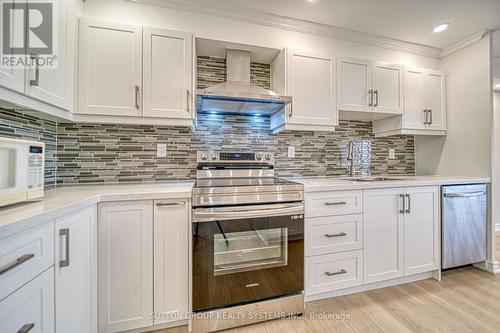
(424, 106)
(171, 239)
(383, 234)
(310, 80)
(367, 86)
(110, 68)
(167, 73)
(30, 308)
(421, 230)
(125, 265)
(55, 85)
(354, 84)
(401, 232)
(76, 272)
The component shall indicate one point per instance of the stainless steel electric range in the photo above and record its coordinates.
(248, 242)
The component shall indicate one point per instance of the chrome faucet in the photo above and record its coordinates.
(350, 157)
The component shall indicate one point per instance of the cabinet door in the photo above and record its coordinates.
(110, 68)
(434, 83)
(354, 83)
(383, 234)
(167, 73)
(76, 272)
(30, 308)
(311, 83)
(125, 265)
(171, 239)
(55, 85)
(13, 78)
(415, 99)
(388, 88)
(421, 230)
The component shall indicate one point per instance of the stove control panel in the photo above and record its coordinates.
(231, 157)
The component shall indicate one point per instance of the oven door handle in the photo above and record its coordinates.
(233, 213)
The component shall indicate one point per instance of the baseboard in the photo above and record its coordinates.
(372, 286)
(489, 266)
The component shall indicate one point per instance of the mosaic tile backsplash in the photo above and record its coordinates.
(103, 153)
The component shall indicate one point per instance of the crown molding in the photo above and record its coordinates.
(464, 43)
(283, 22)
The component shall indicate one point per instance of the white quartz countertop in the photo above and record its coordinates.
(316, 184)
(62, 200)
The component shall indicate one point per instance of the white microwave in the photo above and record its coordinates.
(22, 167)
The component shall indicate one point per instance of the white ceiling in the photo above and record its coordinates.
(406, 20)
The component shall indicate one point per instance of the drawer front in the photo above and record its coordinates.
(332, 272)
(31, 308)
(24, 256)
(334, 203)
(331, 234)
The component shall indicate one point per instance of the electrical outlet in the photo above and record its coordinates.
(392, 154)
(161, 150)
(291, 151)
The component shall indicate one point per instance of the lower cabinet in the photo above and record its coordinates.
(383, 234)
(30, 308)
(76, 272)
(332, 272)
(171, 260)
(401, 232)
(143, 263)
(125, 265)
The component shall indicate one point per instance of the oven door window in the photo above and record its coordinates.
(250, 250)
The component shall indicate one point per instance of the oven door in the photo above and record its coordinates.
(248, 253)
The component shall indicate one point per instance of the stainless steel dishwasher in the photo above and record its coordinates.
(464, 224)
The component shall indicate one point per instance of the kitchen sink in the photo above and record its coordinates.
(372, 179)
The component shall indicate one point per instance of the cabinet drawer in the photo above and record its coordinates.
(334, 203)
(332, 272)
(24, 256)
(331, 234)
(31, 307)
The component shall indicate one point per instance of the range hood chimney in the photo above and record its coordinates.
(237, 95)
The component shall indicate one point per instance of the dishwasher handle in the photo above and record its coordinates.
(464, 194)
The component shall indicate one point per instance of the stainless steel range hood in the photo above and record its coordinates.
(237, 95)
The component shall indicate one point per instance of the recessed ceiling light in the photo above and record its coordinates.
(441, 27)
(497, 86)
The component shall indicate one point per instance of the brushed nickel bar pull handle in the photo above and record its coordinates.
(430, 113)
(188, 105)
(163, 204)
(65, 232)
(376, 98)
(26, 328)
(370, 92)
(342, 234)
(402, 211)
(290, 114)
(408, 210)
(16, 262)
(342, 271)
(137, 97)
(425, 117)
(338, 203)
(36, 81)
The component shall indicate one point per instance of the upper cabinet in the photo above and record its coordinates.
(424, 106)
(130, 71)
(110, 69)
(168, 69)
(367, 86)
(53, 86)
(310, 80)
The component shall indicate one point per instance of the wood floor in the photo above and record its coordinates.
(466, 300)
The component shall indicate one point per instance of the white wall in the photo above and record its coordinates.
(241, 32)
(466, 150)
